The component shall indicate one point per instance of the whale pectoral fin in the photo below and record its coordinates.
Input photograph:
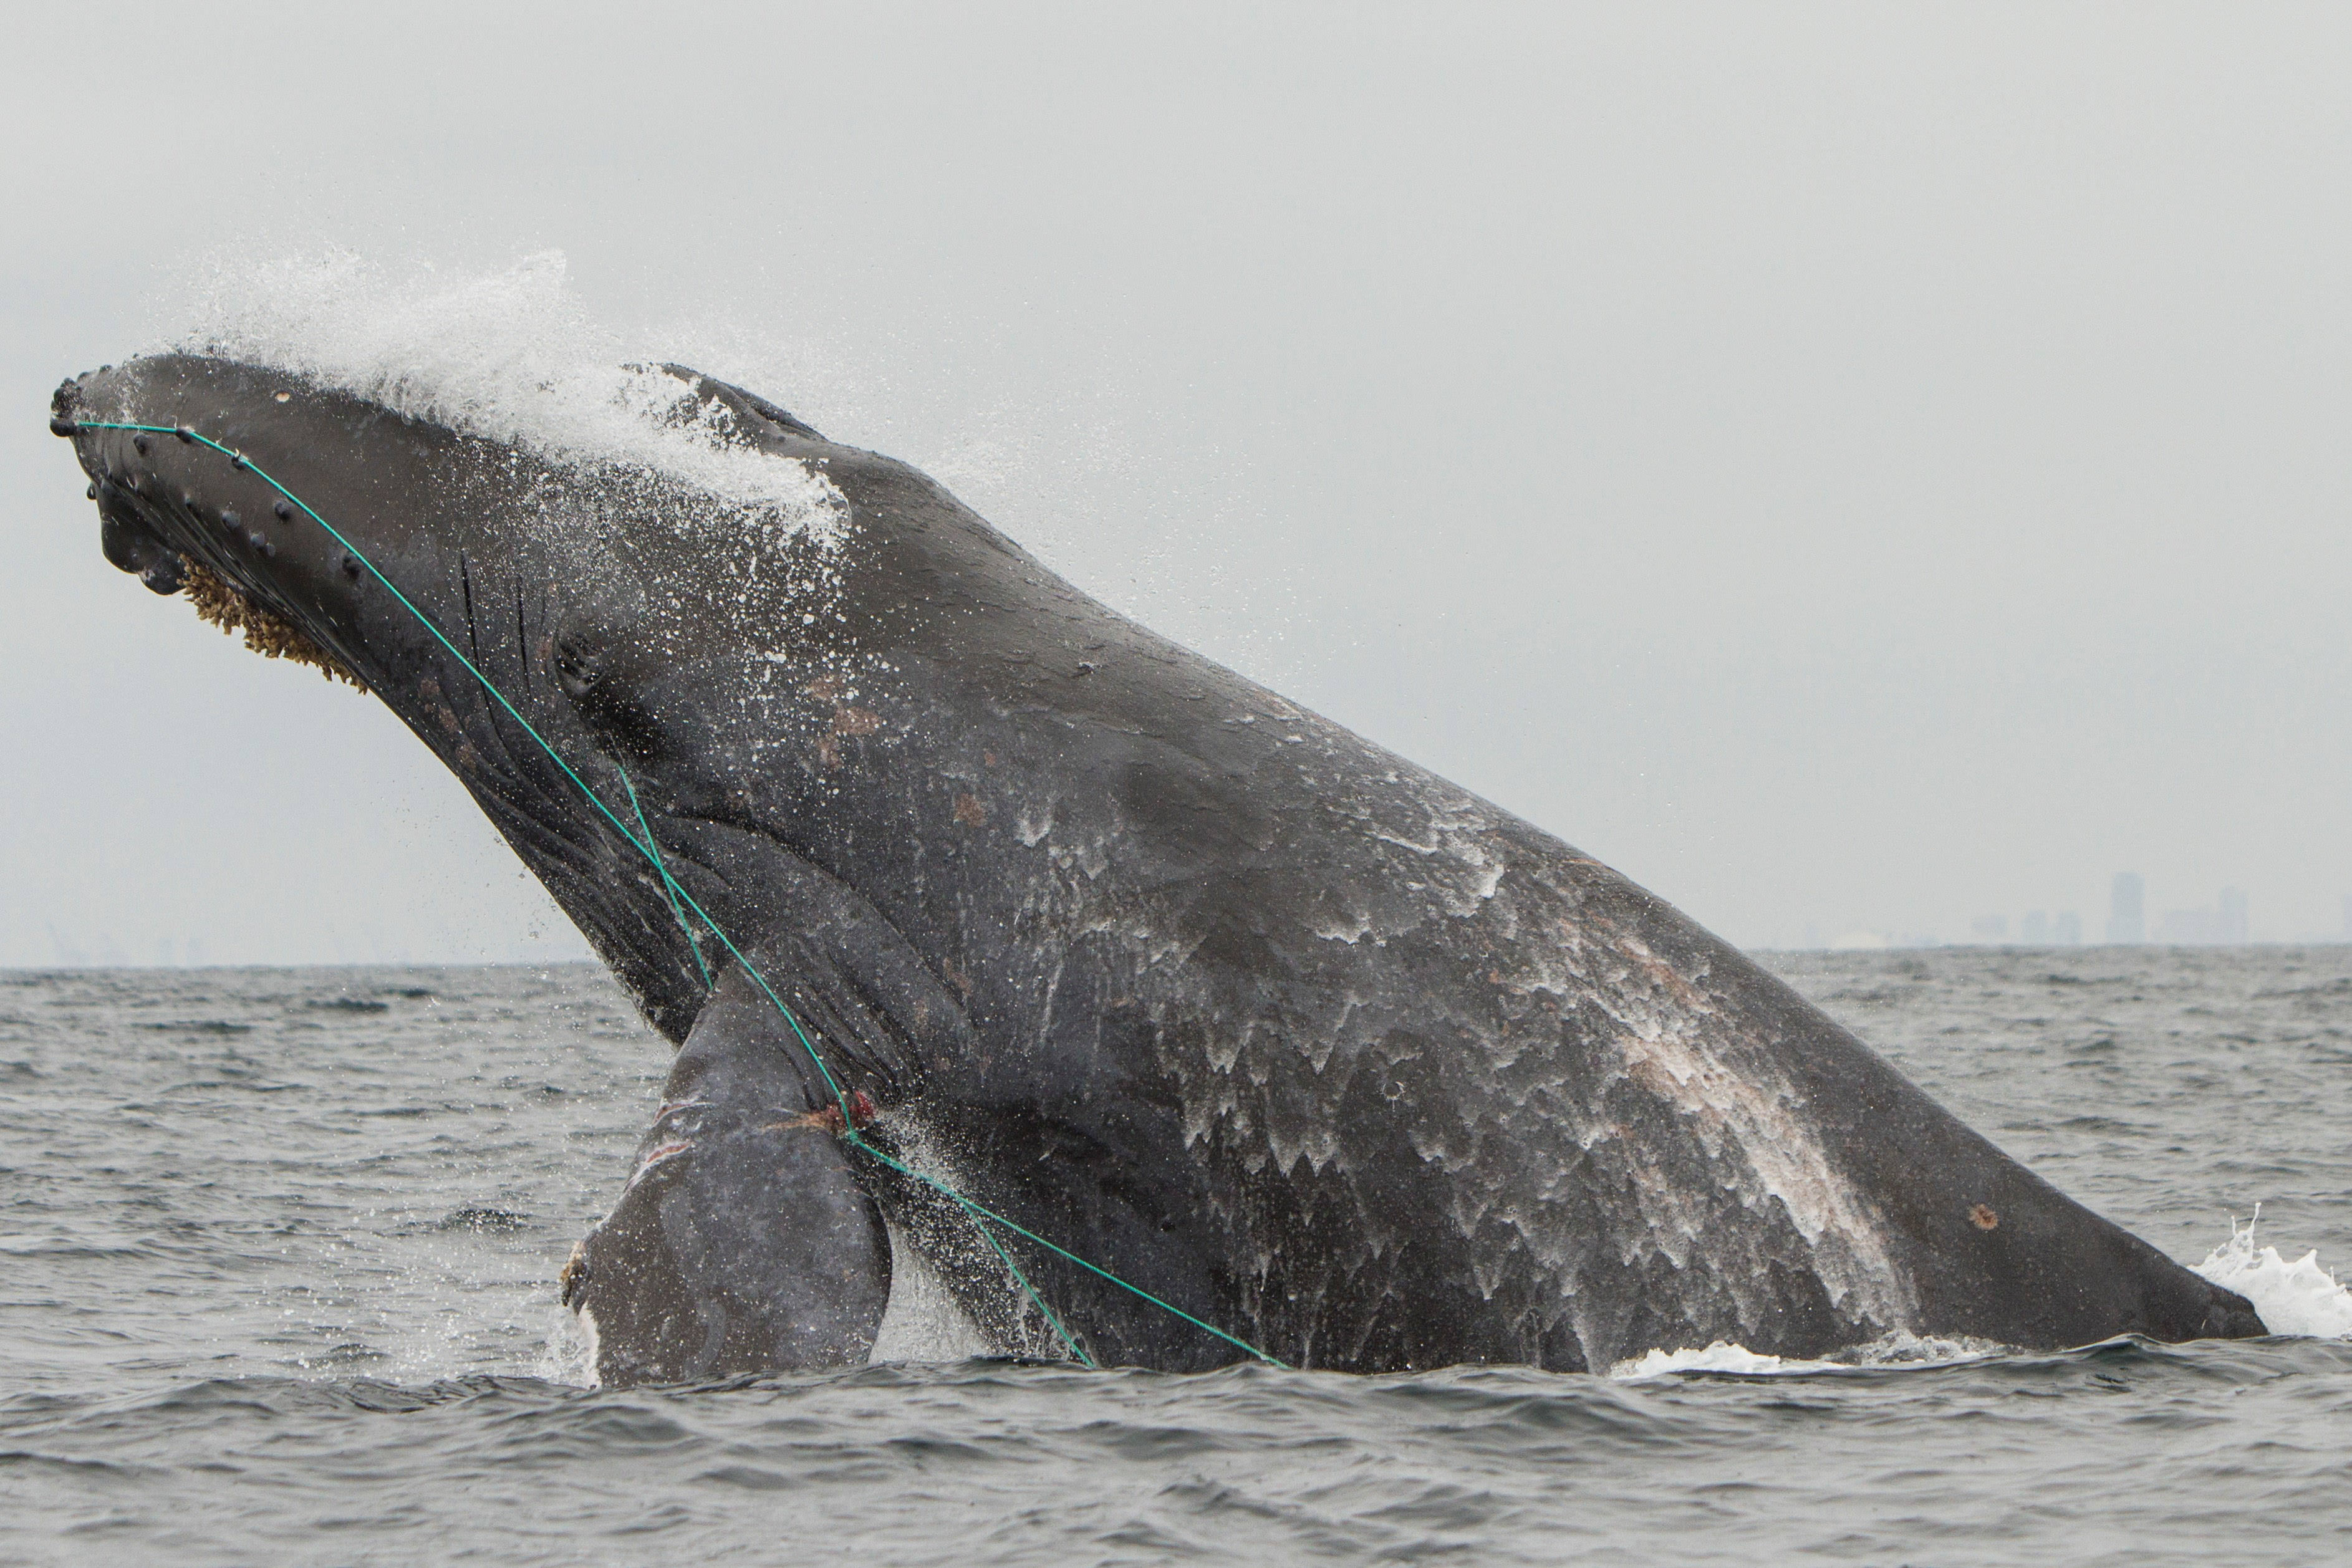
(744, 1242)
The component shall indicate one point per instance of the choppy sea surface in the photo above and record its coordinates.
(277, 1254)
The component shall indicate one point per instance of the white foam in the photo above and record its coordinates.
(511, 356)
(2299, 1298)
(1893, 1350)
(1721, 1356)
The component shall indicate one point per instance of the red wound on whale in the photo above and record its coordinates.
(1984, 1217)
(829, 1119)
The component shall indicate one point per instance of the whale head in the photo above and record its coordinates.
(597, 647)
(587, 643)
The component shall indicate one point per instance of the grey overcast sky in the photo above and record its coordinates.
(1852, 468)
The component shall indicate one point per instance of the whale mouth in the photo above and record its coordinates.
(137, 535)
(267, 633)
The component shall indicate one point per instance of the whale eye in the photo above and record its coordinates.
(578, 667)
(606, 676)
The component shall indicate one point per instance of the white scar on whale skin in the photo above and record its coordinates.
(1352, 930)
(661, 1155)
(1849, 1255)
(1672, 1053)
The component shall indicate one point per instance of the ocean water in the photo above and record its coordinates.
(277, 1254)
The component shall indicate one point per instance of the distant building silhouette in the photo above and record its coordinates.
(1990, 928)
(2223, 923)
(2127, 908)
(2232, 910)
(2034, 930)
(2189, 928)
(2070, 930)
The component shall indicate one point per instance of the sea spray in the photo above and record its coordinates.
(2299, 1298)
(1890, 1349)
(511, 356)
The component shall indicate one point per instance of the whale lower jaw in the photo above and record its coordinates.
(921, 1320)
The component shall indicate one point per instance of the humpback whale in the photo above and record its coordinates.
(1023, 961)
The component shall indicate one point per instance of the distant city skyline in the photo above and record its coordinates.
(1853, 498)
(2226, 921)
(2127, 908)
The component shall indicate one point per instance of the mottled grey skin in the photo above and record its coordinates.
(1274, 1024)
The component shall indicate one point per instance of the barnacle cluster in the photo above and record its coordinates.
(265, 632)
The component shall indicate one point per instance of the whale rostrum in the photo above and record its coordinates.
(1269, 1024)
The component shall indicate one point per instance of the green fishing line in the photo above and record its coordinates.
(681, 901)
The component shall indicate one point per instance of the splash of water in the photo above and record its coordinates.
(569, 1355)
(511, 356)
(922, 1321)
(2299, 1298)
(1897, 1349)
(1721, 1357)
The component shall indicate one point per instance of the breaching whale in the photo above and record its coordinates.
(1267, 1030)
